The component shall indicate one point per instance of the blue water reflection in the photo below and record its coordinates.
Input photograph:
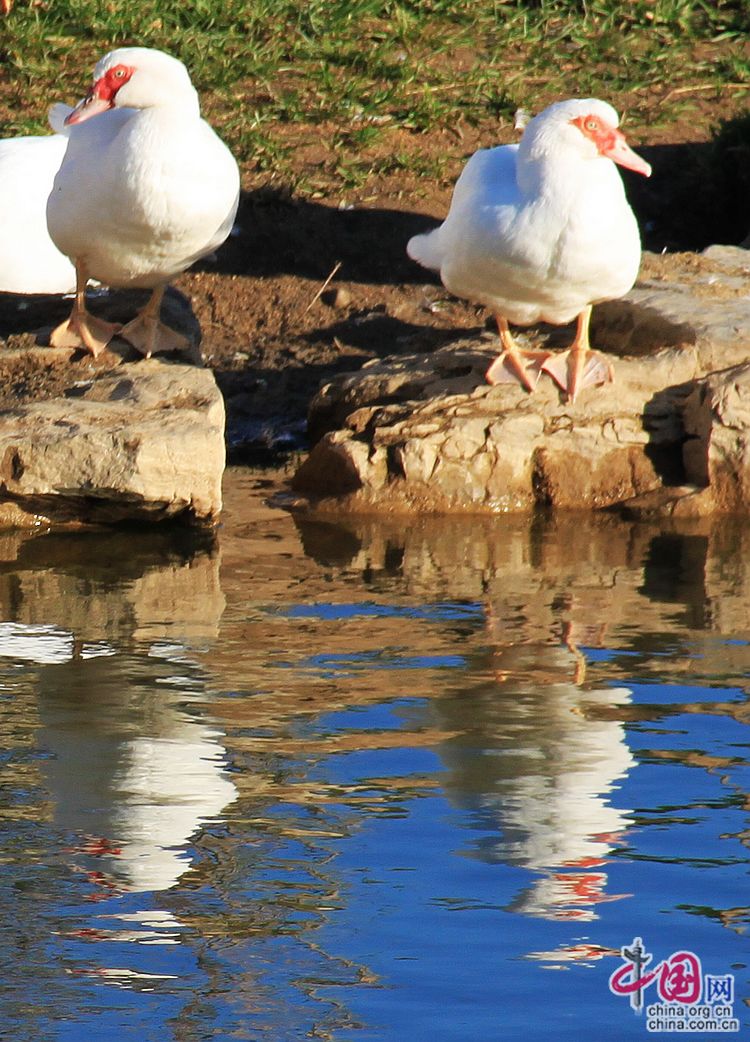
(368, 782)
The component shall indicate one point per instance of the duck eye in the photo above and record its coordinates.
(591, 124)
(119, 73)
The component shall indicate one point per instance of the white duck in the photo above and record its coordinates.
(541, 231)
(29, 260)
(145, 189)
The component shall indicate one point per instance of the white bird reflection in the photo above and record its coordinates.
(168, 787)
(561, 822)
(562, 814)
(539, 748)
(133, 770)
(552, 752)
(541, 786)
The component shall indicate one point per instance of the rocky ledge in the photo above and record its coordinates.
(425, 433)
(110, 440)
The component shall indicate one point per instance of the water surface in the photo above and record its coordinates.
(386, 780)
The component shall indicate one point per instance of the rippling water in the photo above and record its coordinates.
(392, 780)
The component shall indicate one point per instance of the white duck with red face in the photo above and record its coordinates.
(145, 189)
(541, 231)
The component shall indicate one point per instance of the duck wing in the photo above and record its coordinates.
(487, 180)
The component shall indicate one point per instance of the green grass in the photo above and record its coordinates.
(273, 73)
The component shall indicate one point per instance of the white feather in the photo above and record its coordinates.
(29, 260)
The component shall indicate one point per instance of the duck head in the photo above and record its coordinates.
(137, 78)
(584, 127)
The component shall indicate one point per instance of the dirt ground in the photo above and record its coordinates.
(274, 327)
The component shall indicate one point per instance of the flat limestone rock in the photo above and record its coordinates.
(107, 440)
(425, 433)
(139, 441)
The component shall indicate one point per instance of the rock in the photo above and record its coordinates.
(717, 452)
(340, 297)
(425, 433)
(142, 441)
(114, 439)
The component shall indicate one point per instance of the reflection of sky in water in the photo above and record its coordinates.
(337, 665)
(369, 806)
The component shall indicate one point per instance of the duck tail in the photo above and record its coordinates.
(427, 249)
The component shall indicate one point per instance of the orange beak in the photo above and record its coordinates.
(620, 152)
(89, 106)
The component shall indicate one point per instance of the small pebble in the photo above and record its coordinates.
(337, 298)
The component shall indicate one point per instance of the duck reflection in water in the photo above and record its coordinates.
(133, 770)
(136, 778)
(537, 749)
(540, 758)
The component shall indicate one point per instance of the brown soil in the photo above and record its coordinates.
(272, 336)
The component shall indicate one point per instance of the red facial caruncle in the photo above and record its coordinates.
(102, 95)
(109, 84)
(610, 142)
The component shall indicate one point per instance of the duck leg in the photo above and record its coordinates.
(83, 329)
(148, 334)
(579, 366)
(514, 364)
